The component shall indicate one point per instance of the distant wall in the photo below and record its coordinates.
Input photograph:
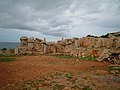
(86, 46)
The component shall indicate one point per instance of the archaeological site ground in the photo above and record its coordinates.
(87, 63)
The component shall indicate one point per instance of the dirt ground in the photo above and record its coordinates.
(52, 73)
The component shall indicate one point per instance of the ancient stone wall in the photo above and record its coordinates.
(86, 46)
(105, 47)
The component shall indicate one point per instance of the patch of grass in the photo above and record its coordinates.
(6, 59)
(51, 62)
(111, 68)
(8, 55)
(78, 73)
(41, 80)
(87, 58)
(56, 74)
(67, 57)
(58, 87)
(87, 88)
(74, 80)
(68, 75)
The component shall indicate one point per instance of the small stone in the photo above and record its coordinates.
(77, 60)
(67, 88)
(40, 85)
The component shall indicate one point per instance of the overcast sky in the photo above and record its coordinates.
(54, 19)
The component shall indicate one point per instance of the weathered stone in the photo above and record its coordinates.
(118, 43)
(110, 42)
(86, 46)
(30, 46)
(104, 55)
(87, 42)
(45, 48)
(23, 38)
(37, 40)
(99, 43)
(16, 50)
(23, 41)
(110, 55)
(30, 40)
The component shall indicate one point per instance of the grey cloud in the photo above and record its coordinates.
(60, 17)
(110, 22)
(54, 33)
(59, 21)
(17, 26)
(19, 14)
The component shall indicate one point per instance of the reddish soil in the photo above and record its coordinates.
(33, 67)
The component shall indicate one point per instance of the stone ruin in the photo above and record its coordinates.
(105, 47)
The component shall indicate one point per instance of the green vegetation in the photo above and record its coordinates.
(67, 57)
(116, 68)
(68, 75)
(8, 55)
(6, 59)
(87, 58)
(5, 50)
(87, 88)
(51, 62)
(58, 87)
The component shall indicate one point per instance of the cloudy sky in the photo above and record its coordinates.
(55, 19)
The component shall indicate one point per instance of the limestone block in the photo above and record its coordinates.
(118, 43)
(16, 50)
(23, 41)
(30, 46)
(104, 55)
(30, 40)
